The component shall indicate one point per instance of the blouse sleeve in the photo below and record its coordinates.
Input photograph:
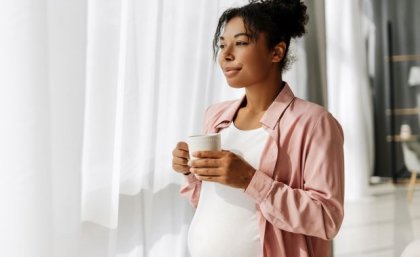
(317, 208)
(191, 190)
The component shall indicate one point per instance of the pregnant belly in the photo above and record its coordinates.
(224, 224)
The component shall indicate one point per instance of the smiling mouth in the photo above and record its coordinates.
(230, 72)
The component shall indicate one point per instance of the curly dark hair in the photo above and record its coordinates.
(279, 20)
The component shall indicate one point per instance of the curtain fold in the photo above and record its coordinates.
(66, 56)
(315, 49)
(308, 73)
(101, 144)
(349, 93)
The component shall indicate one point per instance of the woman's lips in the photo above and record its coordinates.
(230, 72)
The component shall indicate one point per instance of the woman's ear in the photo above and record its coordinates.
(278, 52)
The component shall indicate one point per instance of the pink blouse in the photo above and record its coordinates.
(299, 186)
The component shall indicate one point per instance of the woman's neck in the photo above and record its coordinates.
(260, 97)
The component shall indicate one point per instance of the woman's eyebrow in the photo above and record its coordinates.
(237, 35)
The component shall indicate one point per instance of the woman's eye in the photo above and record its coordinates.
(241, 43)
(238, 43)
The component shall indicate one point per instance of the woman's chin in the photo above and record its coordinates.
(234, 85)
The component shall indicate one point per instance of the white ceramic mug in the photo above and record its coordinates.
(208, 142)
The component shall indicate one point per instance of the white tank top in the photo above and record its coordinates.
(225, 222)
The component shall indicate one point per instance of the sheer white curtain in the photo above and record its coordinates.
(149, 78)
(25, 198)
(94, 96)
(41, 122)
(349, 94)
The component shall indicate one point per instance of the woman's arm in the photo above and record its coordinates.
(317, 209)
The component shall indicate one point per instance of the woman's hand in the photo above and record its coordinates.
(180, 157)
(223, 167)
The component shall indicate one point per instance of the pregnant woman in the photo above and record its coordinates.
(277, 187)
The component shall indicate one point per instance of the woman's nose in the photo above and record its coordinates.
(228, 57)
(227, 54)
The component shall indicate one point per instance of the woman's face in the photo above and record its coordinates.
(244, 62)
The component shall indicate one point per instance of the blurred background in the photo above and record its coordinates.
(94, 95)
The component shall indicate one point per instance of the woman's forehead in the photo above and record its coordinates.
(233, 27)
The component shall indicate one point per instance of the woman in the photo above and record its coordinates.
(277, 188)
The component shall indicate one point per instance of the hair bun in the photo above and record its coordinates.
(291, 11)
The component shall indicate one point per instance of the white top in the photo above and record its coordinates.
(225, 222)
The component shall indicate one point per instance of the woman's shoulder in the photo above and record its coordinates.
(308, 108)
(309, 111)
(216, 109)
(316, 115)
(221, 105)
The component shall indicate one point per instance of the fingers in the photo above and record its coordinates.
(217, 179)
(204, 163)
(181, 150)
(206, 178)
(180, 161)
(180, 158)
(180, 153)
(212, 172)
(209, 164)
(182, 146)
(180, 165)
(180, 168)
(210, 154)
